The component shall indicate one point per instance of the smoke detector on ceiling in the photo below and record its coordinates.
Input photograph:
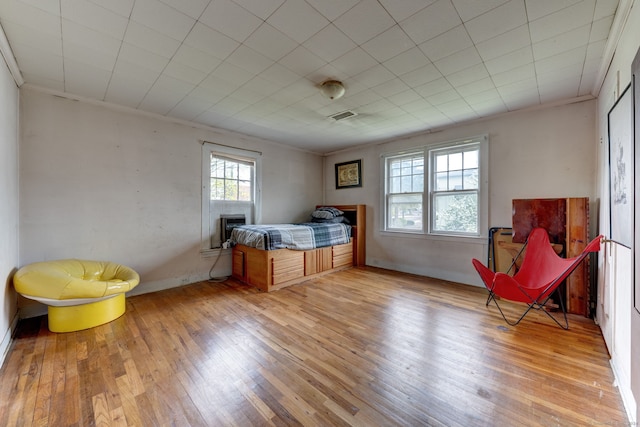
(343, 115)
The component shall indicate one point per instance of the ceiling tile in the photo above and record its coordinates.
(407, 61)
(470, 90)
(469, 9)
(468, 75)
(435, 19)
(190, 107)
(148, 39)
(121, 91)
(121, 7)
(458, 61)
(85, 79)
(270, 42)
(183, 72)
(364, 21)
(48, 66)
(19, 34)
(510, 61)
(331, 9)
(561, 43)
(146, 60)
(354, 62)
(504, 43)
(49, 6)
(297, 20)
(434, 87)
(162, 18)
(605, 8)
(302, 61)
(447, 43)
(94, 17)
(374, 76)
(524, 72)
(600, 29)
(195, 58)
(249, 60)
(401, 10)
(391, 87)
(421, 75)
(329, 43)
(405, 97)
(261, 8)
(388, 44)
(554, 64)
(38, 20)
(559, 22)
(98, 43)
(230, 19)
(510, 15)
(191, 8)
(537, 9)
(279, 75)
(211, 41)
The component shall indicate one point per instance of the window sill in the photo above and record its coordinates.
(434, 237)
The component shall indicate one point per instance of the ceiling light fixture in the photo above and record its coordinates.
(332, 89)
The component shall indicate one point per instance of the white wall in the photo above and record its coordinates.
(541, 153)
(109, 184)
(619, 321)
(8, 203)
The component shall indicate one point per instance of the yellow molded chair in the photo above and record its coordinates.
(80, 294)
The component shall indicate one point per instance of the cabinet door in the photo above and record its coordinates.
(238, 265)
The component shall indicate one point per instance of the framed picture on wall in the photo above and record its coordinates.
(621, 170)
(349, 174)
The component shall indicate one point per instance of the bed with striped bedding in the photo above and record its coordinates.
(292, 236)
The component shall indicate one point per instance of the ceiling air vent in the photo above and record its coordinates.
(343, 115)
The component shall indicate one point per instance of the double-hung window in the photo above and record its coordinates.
(438, 189)
(230, 183)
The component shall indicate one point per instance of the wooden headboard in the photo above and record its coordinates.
(357, 216)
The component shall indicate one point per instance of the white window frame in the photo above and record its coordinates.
(210, 224)
(427, 229)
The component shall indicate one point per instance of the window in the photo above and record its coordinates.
(230, 187)
(437, 189)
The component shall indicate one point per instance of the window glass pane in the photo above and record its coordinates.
(471, 159)
(231, 170)
(244, 191)
(441, 181)
(418, 183)
(456, 212)
(441, 163)
(244, 172)
(455, 180)
(405, 211)
(455, 161)
(394, 185)
(231, 190)
(471, 179)
(405, 185)
(217, 189)
(217, 168)
(394, 168)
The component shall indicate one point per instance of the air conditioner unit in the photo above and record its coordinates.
(228, 222)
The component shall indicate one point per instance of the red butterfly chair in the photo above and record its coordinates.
(540, 275)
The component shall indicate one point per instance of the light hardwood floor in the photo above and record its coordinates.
(364, 347)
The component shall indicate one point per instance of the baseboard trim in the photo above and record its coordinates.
(7, 339)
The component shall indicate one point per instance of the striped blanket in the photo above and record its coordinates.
(291, 236)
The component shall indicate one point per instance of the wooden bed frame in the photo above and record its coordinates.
(276, 269)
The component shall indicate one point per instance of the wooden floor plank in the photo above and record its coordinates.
(361, 347)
